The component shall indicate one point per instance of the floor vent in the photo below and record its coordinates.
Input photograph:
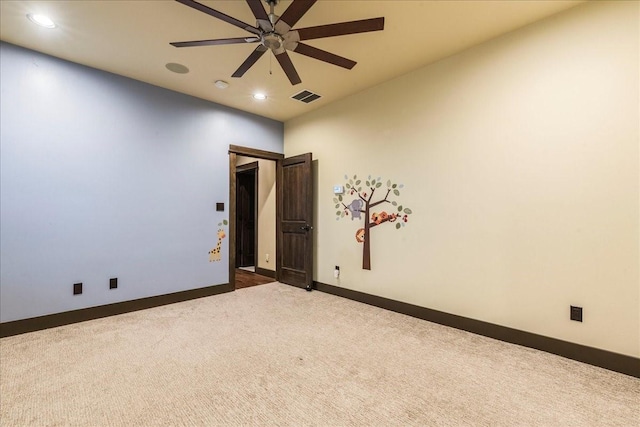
(306, 96)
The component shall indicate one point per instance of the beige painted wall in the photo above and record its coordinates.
(266, 211)
(520, 162)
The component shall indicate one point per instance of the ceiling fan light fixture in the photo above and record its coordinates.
(259, 96)
(272, 41)
(221, 84)
(42, 20)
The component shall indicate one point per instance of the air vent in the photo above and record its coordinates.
(306, 96)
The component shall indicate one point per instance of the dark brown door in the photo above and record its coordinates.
(295, 235)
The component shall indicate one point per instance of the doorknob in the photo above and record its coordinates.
(306, 227)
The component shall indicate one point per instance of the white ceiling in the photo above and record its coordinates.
(131, 38)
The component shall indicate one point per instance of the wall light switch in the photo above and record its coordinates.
(576, 313)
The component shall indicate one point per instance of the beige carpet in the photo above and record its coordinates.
(274, 355)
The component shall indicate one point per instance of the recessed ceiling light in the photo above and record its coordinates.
(42, 20)
(221, 84)
(260, 96)
(177, 68)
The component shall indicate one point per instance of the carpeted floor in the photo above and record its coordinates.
(275, 355)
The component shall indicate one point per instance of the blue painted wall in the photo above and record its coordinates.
(103, 176)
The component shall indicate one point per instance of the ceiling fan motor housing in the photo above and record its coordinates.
(278, 38)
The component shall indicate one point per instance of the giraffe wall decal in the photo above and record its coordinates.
(215, 254)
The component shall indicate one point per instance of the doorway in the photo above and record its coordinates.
(293, 216)
(252, 217)
(247, 216)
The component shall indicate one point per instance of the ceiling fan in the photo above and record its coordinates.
(275, 33)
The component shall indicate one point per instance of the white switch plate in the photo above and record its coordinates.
(337, 189)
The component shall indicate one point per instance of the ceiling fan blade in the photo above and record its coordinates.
(325, 56)
(216, 14)
(288, 68)
(216, 42)
(248, 63)
(295, 11)
(341, 29)
(258, 9)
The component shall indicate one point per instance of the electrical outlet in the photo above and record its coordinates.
(336, 272)
(576, 313)
(77, 288)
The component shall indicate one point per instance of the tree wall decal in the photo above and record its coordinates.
(364, 203)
